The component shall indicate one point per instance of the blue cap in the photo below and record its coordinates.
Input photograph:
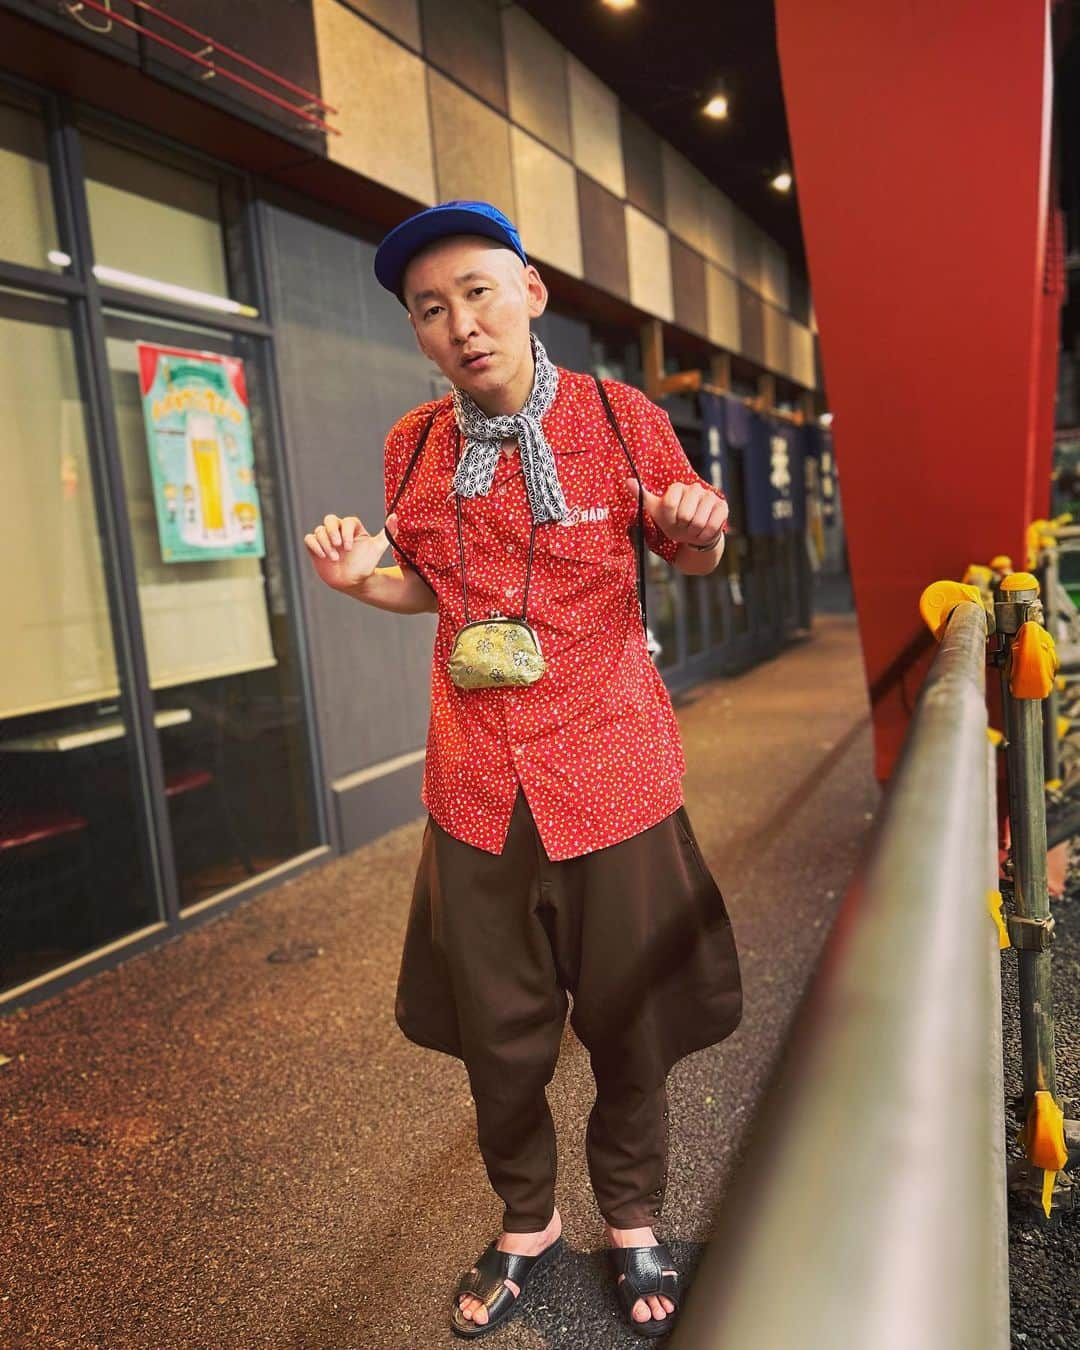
(407, 239)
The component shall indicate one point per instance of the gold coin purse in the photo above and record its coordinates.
(495, 653)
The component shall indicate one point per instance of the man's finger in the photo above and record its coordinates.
(652, 501)
(351, 526)
(323, 536)
(333, 528)
(314, 546)
(704, 512)
(679, 504)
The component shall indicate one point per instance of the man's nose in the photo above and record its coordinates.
(462, 324)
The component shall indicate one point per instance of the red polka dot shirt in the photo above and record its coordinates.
(593, 742)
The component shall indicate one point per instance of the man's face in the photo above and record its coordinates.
(470, 303)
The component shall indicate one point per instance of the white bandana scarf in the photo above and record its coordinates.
(483, 435)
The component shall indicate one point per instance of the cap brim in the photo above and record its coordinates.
(407, 239)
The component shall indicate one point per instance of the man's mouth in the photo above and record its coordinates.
(475, 359)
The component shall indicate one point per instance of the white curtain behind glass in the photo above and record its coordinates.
(59, 648)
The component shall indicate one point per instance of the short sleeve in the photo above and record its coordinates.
(400, 443)
(657, 453)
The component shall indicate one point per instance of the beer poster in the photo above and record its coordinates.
(202, 467)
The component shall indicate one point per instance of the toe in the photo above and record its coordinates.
(472, 1309)
(655, 1307)
(640, 1311)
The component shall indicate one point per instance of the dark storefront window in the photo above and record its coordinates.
(70, 870)
(696, 596)
(663, 614)
(154, 733)
(717, 586)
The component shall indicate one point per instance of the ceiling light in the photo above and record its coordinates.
(783, 181)
(717, 107)
(620, 4)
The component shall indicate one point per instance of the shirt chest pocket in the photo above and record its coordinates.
(587, 543)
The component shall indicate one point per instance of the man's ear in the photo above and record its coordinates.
(536, 292)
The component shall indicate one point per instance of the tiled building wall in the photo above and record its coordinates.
(461, 98)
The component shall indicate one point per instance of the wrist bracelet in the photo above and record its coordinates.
(706, 548)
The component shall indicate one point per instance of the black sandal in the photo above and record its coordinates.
(644, 1269)
(485, 1281)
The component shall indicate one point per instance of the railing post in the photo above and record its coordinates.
(1028, 665)
(1048, 570)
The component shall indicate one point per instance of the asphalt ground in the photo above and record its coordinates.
(209, 1148)
(1044, 1260)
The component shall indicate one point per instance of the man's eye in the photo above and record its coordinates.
(476, 290)
(434, 309)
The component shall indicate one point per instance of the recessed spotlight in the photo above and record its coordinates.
(620, 4)
(717, 107)
(782, 182)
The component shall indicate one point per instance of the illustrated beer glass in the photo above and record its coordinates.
(206, 453)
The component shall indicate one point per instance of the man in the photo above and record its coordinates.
(558, 857)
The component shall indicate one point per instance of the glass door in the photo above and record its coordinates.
(227, 690)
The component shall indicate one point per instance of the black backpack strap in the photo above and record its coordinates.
(397, 497)
(641, 501)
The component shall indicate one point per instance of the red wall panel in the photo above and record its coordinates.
(920, 135)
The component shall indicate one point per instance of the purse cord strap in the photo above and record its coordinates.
(641, 502)
(397, 497)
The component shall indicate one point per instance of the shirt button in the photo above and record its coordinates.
(510, 548)
(510, 590)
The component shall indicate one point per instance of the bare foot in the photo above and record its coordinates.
(521, 1244)
(654, 1305)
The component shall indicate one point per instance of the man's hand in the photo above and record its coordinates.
(689, 513)
(343, 552)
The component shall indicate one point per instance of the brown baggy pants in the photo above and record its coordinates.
(636, 933)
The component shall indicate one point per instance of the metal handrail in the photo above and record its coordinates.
(871, 1210)
(212, 68)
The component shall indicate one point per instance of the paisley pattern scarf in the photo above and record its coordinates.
(483, 434)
